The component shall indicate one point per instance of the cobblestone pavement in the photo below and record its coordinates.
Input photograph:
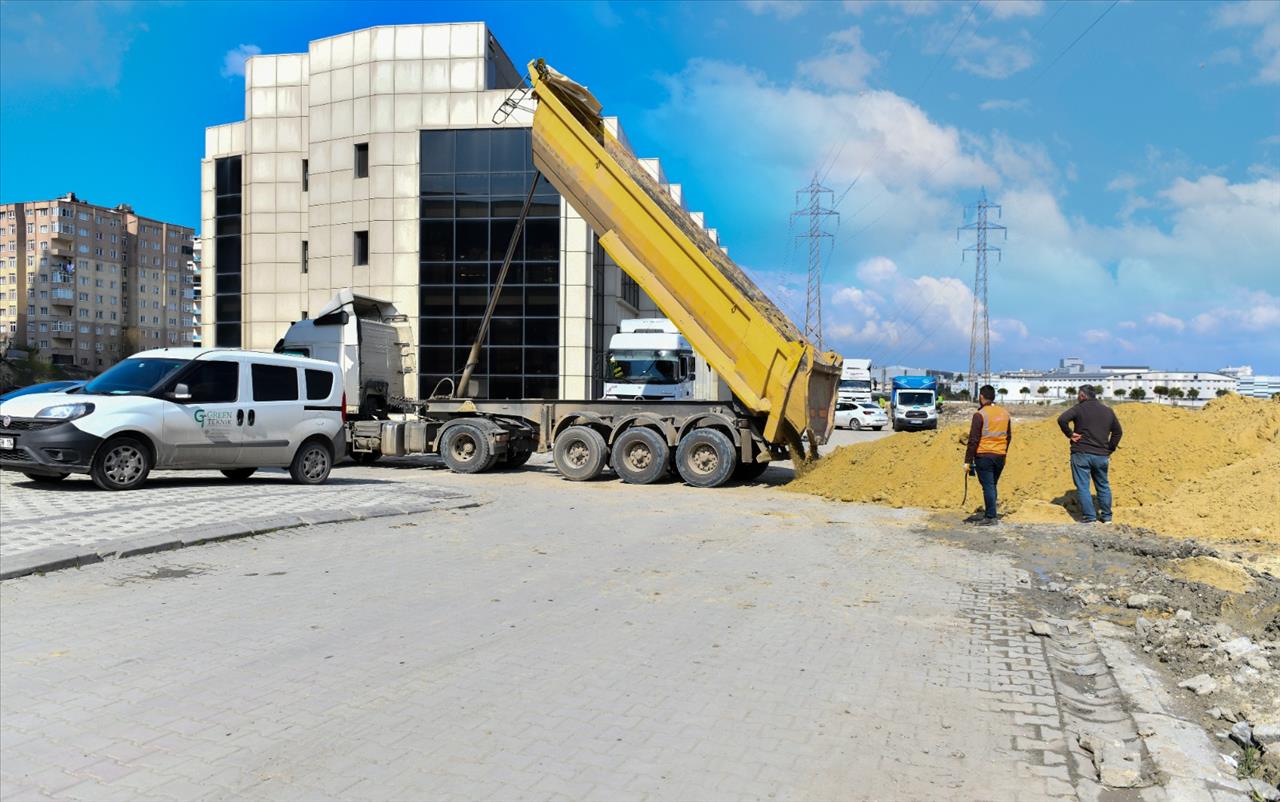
(76, 513)
(575, 641)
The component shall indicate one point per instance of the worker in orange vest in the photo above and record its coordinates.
(990, 433)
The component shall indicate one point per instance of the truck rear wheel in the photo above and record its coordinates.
(747, 471)
(706, 458)
(640, 456)
(580, 453)
(465, 449)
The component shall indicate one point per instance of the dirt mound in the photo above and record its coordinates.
(1211, 473)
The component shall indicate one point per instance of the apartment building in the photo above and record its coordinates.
(84, 285)
(373, 161)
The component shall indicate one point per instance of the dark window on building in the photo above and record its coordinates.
(362, 160)
(630, 291)
(319, 384)
(472, 184)
(211, 382)
(305, 256)
(306, 175)
(274, 383)
(360, 248)
(227, 262)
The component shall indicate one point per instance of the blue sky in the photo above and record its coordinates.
(1138, 169)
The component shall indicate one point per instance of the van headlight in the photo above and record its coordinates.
(65, 411)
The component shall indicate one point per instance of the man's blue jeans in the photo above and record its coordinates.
(1092, 466)
(988, 467)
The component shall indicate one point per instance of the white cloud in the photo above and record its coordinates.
(1064, 273)
(1124, 182)
(1262, 17)
(1162, 321)
(234, 59)
(876, 270)
(1001, 104)
(1095, 336)
(81, 45)
(782, 9)
(993, 55)
(845, 64)
(1008, 9)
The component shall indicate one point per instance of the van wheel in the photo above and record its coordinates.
(312, 463)
(238, 474)
(706, 458)
(46, 478)
(465, 449)
(640, 456)
(580, 453)
(122, 463)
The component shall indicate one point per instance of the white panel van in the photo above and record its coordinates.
(182, 408)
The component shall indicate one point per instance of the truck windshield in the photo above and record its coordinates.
(645, 367)
(855, 384)
(906, 398)
(133, 376)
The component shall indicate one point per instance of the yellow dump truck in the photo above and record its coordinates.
(784, 388)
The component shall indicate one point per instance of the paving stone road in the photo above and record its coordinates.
(560, 641)
(76, 513)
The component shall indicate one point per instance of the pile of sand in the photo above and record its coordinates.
(1210, 473)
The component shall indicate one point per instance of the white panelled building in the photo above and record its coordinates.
(372, 161)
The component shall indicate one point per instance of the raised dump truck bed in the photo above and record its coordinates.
(770, 367)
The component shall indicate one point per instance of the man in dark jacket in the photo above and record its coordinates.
(1095, 435)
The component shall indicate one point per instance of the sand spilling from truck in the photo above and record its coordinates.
(1212, 473)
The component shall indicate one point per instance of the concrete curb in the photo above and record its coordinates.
(1180, 749)
(56, 558)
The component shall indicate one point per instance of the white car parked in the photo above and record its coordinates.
(181, 408)
(860, 415)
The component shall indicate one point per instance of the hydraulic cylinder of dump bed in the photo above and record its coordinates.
(771, 368)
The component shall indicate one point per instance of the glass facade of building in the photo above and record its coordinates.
(227, 252)
(472, 185)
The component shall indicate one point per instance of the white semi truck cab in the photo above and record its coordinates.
(855, 381)
(649, 360)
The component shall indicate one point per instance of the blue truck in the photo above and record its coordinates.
(914, 403)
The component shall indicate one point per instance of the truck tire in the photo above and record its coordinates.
(122, 463)
(580, 453)
(312, 463)
(465, 449)
(640, 456)
(706, 458)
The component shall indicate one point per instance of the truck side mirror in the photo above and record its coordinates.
(180, 392)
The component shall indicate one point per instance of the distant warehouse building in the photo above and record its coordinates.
(372, 161)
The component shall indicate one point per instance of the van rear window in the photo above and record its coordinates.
(319, 384)
(274, 383)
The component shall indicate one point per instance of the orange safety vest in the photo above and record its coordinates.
(995, 430)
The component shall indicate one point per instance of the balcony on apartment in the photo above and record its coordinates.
(62, 296)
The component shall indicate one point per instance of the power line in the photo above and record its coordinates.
(1067, 49)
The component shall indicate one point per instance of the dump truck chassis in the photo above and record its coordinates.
(473, 436)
